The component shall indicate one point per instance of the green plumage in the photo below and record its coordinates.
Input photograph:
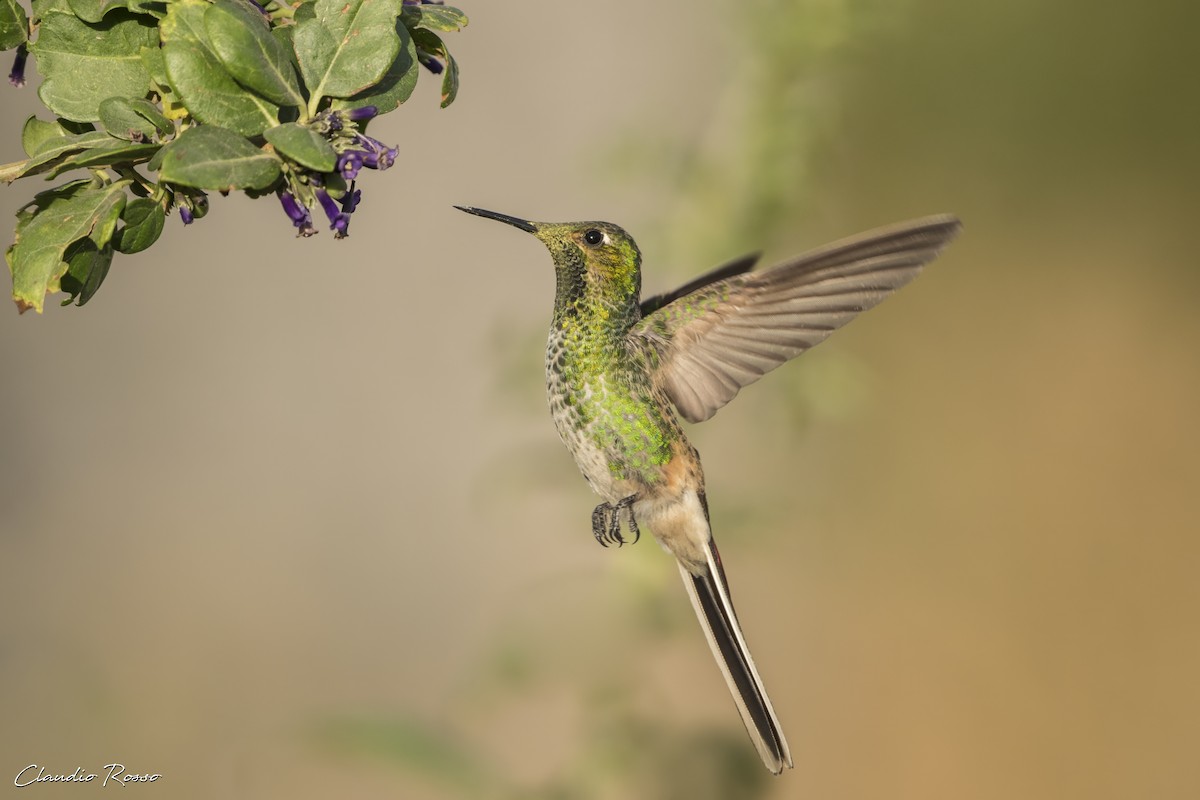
(599, 382)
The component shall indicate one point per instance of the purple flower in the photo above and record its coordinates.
(378, 155)
(292, 207)
(17, 76)
(185, 214)
(430, 63)
(362, 113)
(379, 160)
(335, 121)
(349, 163)
(370, 153)
(297, 213)
(339, 220)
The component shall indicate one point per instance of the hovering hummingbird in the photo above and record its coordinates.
(618, 368)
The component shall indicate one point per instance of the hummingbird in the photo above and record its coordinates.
(621, 371)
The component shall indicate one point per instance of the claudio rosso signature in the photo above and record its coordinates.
(110, 775)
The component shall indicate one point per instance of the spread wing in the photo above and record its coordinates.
(730, 332)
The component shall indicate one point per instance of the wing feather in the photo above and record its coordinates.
(732, 326)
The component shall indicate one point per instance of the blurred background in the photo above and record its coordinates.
(288, 518)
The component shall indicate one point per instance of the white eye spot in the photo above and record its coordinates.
(595, 237)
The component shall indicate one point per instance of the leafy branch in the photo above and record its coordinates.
(159, 102)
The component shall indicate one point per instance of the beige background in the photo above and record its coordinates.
(267, 503)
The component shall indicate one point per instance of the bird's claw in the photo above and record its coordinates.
(606, 522)
(599, 526)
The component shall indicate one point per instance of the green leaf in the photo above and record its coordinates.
(62, 217)
(152, 60)
(210, 94)
(57, 146)
(94, 10)
(242, 40)
(430, 43)
(434, 18)
(155, 8)
(114, 151)
(41, 8)
(54, 149)
(449, 81)
(196, 75)
(156, 65)
(208, 157)
(83, 64)
(144, 219)
(72, 127)
(87, 267)
(303, 145)
(397, 83)
(347, 47)
(149, 112)
(155, 162)
(284, 36)
(37, 132)
(14, 24)
(122, 119)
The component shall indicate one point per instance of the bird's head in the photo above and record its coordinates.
(597, 255)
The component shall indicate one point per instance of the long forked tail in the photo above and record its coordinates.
(710, 597)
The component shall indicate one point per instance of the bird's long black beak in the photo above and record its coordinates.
(516, 222)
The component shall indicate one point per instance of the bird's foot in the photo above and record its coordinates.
(606, 522)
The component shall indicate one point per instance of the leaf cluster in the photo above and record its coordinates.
(159, 102)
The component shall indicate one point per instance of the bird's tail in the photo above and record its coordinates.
(710, 597)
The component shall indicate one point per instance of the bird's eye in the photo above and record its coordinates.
(593, 237)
